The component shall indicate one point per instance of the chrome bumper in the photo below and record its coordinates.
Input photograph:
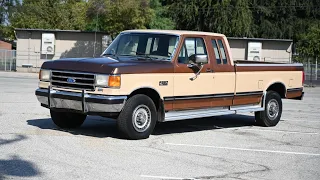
(84, 102)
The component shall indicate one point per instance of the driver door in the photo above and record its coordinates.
(188, 93)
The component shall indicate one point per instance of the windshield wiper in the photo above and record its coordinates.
(144, 55)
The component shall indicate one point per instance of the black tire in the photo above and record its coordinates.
(67, 119)
(269, 117)
(128, 122)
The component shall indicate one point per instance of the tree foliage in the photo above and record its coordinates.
(7, 7)
(231, 17)
(113, 16)
(50, 14)
(161, 17)
(309, 44)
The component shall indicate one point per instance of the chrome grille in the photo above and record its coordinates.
(72, 80)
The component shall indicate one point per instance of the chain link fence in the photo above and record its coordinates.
(312, 74)
(31, 61)
(8, 60)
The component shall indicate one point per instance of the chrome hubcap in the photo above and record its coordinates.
(273, 109)
(141, 118)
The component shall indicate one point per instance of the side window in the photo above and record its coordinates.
(191, 47)
(216, 51)
(223, 53)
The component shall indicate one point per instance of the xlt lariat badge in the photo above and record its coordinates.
(163, 83)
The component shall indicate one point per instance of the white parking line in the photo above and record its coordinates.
(251, 129)
(280, 131)
(244, 149)
(299, 121)
(162, 177)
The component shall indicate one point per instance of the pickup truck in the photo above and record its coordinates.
(150, 76)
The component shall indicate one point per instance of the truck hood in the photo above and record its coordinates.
(109, 65)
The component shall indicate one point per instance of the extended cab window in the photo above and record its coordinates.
(191, 47)
(223, 52)
(216, 51)
(219, 49)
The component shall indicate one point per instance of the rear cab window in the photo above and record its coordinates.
(219, 51)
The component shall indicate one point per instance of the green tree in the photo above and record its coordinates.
(50, 14)
(160, 18)
(113, 16)
(285, 19)
(231, 17)
(309, 43)
(7, 7)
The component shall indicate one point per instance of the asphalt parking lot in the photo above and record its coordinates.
(227, 147)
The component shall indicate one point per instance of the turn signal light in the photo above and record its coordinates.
(114, 81)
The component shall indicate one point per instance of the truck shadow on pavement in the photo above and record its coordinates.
(103, 127)
(15, 166)
(203, 124)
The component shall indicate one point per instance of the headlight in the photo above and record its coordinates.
(101, 80)
(45, 75)
(108, 81)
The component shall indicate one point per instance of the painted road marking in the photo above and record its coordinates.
(251, 129)
(280, 131)
(306, 121)
(245, 149)
(164, 177)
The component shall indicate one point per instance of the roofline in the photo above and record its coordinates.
(171, 31)
(58, 30)
(259, 39)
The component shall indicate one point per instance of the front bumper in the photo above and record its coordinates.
(84, 102)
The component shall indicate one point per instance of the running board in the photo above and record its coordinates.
(199, 113)
(202, 113)
(253, 109)
(246, 108)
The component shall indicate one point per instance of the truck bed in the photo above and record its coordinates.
(244, 65)
(256, 62)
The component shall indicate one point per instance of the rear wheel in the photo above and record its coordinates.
(67, 119)
(272, 112)
(138, 117)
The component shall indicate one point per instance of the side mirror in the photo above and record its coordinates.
(197, 62)
(201, 59)
(198, 59)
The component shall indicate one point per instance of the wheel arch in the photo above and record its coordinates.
(278, 87)
(155, 96)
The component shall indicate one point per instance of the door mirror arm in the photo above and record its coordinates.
(194, 65)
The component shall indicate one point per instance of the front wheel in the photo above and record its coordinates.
(67, 119)
(272, 112)
(138, 117)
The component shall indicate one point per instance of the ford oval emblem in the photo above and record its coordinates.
(71, 80)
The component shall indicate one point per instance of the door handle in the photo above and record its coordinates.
(209, 70)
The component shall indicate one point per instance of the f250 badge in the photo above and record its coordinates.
(163, 83)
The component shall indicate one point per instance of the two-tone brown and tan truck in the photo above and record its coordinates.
(149, 76)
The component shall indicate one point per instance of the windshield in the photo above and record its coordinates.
(152, 46)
